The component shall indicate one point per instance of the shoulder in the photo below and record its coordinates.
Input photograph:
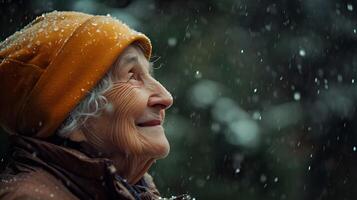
(34, 185)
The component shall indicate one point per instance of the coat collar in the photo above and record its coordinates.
(69, 159)
(75, 162)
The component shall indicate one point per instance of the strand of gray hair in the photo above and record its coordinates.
(92, 106)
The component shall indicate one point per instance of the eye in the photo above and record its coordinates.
(132, 76)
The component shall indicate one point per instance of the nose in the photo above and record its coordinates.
(160, 97)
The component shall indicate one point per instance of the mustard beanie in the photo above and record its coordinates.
(49, 66)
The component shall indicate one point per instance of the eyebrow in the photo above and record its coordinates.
(133, 59)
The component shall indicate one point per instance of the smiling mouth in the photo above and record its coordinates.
(150, 123)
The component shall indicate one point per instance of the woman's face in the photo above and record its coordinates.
(132, 125)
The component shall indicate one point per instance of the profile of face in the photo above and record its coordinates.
(133, 124)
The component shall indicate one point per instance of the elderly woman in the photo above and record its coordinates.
(82, 109)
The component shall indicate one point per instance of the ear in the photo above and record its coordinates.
(77, 136)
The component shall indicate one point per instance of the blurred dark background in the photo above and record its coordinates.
(265, 92)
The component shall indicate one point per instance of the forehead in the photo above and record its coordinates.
(132, 55)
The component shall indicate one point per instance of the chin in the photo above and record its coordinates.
(156, 142)
(164, 150)
(158, 148)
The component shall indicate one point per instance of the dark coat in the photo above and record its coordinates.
(38, 169)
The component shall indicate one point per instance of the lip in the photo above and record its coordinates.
(149, 123)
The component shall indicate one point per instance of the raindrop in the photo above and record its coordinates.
(241, 51)
(172, 41)
(268, 27)
(297, 96)
(354, 148)
(237, 171)
(353, 80)
(257, 116)
(309, 168)
(326, 83)
(354, 31)
(263, 178)
(276, 179)
(255, 90)
(198, 74)
(349, 7)
(339, 78)
(188, 34)
(302, 52)
(215, 127)
(112, 169)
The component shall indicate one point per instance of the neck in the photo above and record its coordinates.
(132, 168)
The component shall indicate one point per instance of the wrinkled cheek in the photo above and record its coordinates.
(128, 104)
(127, 101)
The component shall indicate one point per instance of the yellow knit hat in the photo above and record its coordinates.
(48, 67)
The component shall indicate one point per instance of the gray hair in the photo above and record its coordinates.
(92, 106)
